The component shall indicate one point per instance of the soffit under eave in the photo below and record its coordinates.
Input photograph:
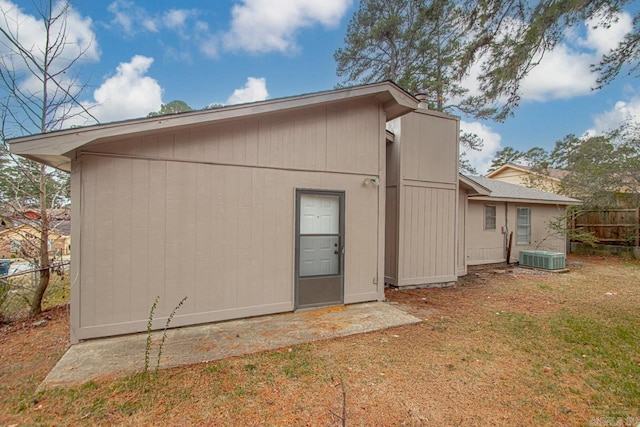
(55, 161)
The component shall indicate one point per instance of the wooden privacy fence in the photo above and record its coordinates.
(610, 226)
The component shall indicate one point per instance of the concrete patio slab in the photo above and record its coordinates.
(196, 344)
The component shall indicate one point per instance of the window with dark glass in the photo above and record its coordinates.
(489, 217)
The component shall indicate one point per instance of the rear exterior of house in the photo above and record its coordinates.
(512, 210)
(248, 210)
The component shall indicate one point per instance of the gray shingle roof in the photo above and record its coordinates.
(504, 190)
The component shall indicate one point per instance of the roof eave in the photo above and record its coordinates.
(56, 148)
(525, 200)
(472, 187)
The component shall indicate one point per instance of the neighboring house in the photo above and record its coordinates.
(514, 210)
(24, 240)
(29, 214)
(525, 176)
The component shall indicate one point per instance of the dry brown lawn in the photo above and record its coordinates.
(504, 347)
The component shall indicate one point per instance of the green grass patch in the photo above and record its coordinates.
(602, 347)
(609, 352)
(216, 367)
(297, 362)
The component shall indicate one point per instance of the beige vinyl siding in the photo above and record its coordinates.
(519, 177)
(428, 249)
(182, 215)
(485, 246)
(426, 197)
(337, 138)
(428, 148)
(489, 246)
(542, 237)
(391, 235)
(512, 176)
(391, 222)
(461, 257)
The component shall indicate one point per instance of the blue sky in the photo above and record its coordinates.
(144, 53)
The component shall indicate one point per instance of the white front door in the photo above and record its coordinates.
(319, 248)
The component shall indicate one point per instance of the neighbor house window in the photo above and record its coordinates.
(523, 235)
(16, 246)
(489, 217)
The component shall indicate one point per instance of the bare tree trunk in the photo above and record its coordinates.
(45, 273)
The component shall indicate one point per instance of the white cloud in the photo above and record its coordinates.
(257, 26)
(565, 72)
(176, 18)
(481, 160)
(79, 42)
(76, 44)
(271, 25)
(609, 120)
(125, 14)
(130, 93)
(561, 74)
(255, 89)
(132, 19)
(602, 38)
(209, 47)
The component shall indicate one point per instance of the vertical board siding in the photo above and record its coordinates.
(423, 157)
(221, 235)
(391, 235)
(429, 231)
(429, 148)
(461, 250)
(323, 139)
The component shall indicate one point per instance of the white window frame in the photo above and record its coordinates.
(523, 226)
(486, 217)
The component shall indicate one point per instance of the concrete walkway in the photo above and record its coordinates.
(125, 355)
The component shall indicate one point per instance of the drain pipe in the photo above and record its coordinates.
(507, 248)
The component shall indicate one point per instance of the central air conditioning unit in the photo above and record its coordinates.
(542, 259)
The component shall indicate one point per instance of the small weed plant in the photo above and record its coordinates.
(147, 350)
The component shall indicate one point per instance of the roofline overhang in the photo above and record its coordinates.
(472, 187)
(527, 201)
(57, 148)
